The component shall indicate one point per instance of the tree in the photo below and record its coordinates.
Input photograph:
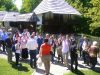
(7, 5)
(29, 5)
(90, 10)
(95, 16)
(81, 6)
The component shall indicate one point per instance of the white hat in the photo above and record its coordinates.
(94, 43)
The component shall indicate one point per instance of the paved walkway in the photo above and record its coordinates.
(57, 68)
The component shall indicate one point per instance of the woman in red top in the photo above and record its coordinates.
(45, 55)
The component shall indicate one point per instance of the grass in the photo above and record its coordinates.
(83, 72)
(12, 69)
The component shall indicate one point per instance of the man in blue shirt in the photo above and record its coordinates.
(0, 38)
(39, 41)
(4, 36)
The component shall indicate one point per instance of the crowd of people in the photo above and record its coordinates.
(34, 45)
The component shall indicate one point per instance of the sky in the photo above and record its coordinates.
(18, 4)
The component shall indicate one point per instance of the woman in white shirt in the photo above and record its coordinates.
(65, 50)
(17, 52)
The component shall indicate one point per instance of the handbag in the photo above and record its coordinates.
(39, 62)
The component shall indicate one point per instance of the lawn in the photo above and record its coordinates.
(83, 72)
(12, 69)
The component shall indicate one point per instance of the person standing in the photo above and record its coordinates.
(32, 47)
(45, 55)
(17, 51)
(8, 44)
(24, 52)
(1, 38)
(73, 53)
(65, 50)
(80, 45)
(52, 43)
(85, 51)
(93, 51)
(25, 31)
(4, 36)
(39, 41)
(17, 37)
(59, 52)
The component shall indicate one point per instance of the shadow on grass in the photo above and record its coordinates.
(78, 72)
(97, 69)
(20, 67)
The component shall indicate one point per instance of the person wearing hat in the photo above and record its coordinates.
(93, 51)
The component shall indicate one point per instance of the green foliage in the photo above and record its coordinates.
(7, 5)
(82, 72)
(95, 14)
(29, 5)
(90, 10)
(12, 69)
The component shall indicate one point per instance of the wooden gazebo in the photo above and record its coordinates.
(57, 16)
(20, 21)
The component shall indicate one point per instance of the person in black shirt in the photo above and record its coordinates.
(73, 53)
(8, 42)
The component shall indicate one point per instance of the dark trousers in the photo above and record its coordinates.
(53, 54)
(85, 56)
(24, 53)
(93, 61)
(74, 60)
(38, 49)
(54, 51)
(33, 58)
(80, 49)
(9, 51)
(52, 57)
(0, 42)
(17, 58)
(3, 43)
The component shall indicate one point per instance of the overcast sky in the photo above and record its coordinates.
(18, 4)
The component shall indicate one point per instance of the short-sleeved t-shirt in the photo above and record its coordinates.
(46, 48)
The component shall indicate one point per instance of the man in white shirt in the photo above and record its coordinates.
(32, 46)
(65, 50)
(85, 51)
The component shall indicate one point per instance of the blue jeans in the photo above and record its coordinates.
(33, 58)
